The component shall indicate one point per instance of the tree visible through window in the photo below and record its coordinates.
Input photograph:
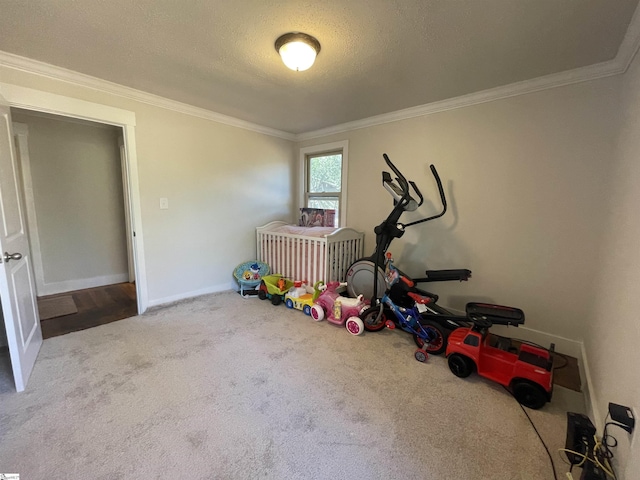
(324, 182)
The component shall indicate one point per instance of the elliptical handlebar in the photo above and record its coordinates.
(443, 199)
(415, 189)
(400, 192)
(404, 196)
(401, 179)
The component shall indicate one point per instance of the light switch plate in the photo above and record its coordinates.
(164, 203)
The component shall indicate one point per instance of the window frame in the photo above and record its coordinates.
(319, 150)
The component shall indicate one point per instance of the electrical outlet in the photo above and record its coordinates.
(164, 203)
(622, 416)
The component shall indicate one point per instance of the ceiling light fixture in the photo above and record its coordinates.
(298, 50)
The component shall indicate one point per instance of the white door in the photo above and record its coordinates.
(127, 208)
(17, 286)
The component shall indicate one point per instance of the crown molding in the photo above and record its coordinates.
(630, 42)
(619, 65)
(584, 74)
(36, 67)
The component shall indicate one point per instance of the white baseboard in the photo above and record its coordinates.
(563, 345)
(196, 293)
(81, 284)
(573, 348)
(590, 397)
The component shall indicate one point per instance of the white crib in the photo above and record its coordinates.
(308, 253)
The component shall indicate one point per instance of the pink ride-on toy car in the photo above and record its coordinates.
(339, 310)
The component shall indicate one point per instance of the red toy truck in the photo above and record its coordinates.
(526, 370)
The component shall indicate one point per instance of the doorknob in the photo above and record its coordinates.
(11, 256)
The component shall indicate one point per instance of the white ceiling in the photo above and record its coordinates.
(377, 56)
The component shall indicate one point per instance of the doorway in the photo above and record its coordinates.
(93, 307)
(17, 287)
(77, 208)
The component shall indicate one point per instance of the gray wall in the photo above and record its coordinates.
(543, 196)
(525, 178)
(221, 181)
(612, 337)
(77, 190)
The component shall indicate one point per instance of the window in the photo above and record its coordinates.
(324, 181)
(536, 360)
(471, 340)
(324, 178)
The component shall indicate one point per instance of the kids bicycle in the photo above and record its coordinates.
(404, 304)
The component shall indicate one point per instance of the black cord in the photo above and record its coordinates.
(605, 440)
(606, 446)
(566, 360)
(553, 465)
(553, 354)
(529, 343)
(604, 450)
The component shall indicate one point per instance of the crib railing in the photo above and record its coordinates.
(299, 257)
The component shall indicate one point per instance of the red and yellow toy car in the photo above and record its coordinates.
(301, 297)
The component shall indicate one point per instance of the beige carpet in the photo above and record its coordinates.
(53, 307)
(224, 388)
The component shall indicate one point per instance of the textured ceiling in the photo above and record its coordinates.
(377, 56)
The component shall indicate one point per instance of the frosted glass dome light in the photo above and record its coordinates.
(298, 50)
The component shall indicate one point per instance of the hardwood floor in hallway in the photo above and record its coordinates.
(96, 306)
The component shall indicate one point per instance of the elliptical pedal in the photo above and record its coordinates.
(496, 314)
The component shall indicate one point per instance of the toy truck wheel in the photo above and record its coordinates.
(354, 326)
(306, 310)
(276, 299)
(262, 295)
(317, 313)
(460, 365)
(289, 303)
(420, 355)
(529, 394)
(438, 343)
(371, 321)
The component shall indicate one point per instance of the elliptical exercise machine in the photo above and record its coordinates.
(362, 280)
(360, 277)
